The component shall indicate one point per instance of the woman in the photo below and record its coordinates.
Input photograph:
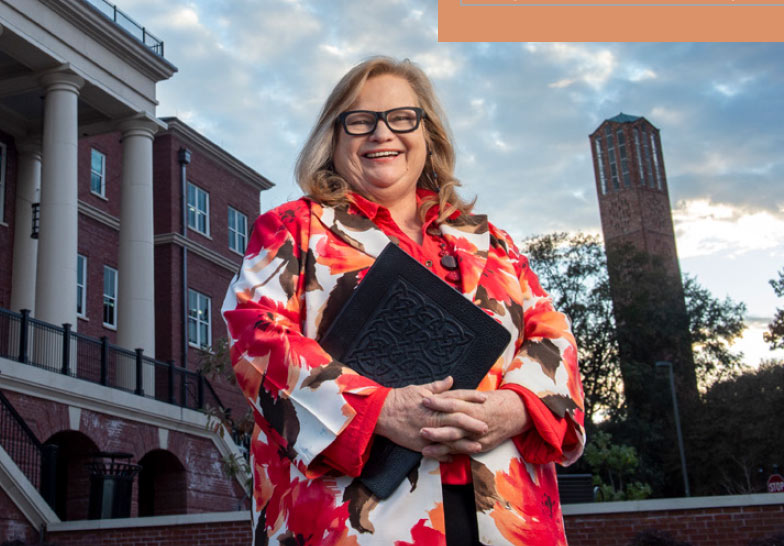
(378, 167)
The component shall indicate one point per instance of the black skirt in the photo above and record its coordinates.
(460, 515)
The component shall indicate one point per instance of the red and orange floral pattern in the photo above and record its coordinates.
(302, 262)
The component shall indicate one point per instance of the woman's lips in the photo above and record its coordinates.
(377, 154)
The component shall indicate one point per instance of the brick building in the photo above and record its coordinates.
(634, 205)
(119, 233)
(645, 278)
(631, 183)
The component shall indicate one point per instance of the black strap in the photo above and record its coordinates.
(460, 515)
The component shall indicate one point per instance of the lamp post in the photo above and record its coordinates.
(664, 364)
(184, 159)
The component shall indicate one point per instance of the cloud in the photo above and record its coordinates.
(751, 344)
(497, 140)
(704, 228)
(182, 17)
(584, 64)
(439, 65)
(560, 84)
(639, 73)
(710, 163)
(666, 115)
(729, 87)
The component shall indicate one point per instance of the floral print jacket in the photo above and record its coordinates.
(301, 264)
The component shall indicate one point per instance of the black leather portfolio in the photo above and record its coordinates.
(404, 326)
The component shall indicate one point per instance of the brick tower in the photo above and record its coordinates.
(645, 278)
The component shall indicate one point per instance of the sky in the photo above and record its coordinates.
(253, 75)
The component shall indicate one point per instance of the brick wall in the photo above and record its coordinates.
(225, 189)
(207, 488)
(230, 533)
(110, 145)
(98, 243)
(717, 526)
(713, 526)
(166, 186)
(213, 280)
(13, 524)
(168, 303)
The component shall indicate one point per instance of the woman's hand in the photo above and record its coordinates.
(404, 415)
(502, 411)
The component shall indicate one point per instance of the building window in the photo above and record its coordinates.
(627, 179)
(109, 297)
(656, 166)
(638, 156)
(81, 286)
(613, 164)
(608, 137)
(238, 230)
(199, 319)
(3, 153)
(97, 173)
(198, 209)
(600, 162)
(648, 161)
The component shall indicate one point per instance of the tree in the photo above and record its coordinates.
(737, 440)
(573, 269)
(775, 333)
(627, 395)
(714, 326)
(652, 325)
(612, 465)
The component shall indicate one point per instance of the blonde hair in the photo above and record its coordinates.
(315, 171)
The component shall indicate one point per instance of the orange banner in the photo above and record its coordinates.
(611, 20)
(502, 3)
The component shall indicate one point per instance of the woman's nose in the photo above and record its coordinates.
(382, 131)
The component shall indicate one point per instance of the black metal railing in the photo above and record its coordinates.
(20, 442)
(129, 25)
(36, 220)
(60, 350)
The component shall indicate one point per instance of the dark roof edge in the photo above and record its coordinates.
(623, 118)
(182, 129)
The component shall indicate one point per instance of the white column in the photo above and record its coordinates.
(25, 258)
(135, 299)
(55, 288)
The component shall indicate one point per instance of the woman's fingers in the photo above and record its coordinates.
(467, 395)
(442, 385)
(503, 414)
(436, 451)
(439, 451)
(461, 421)
(442, 434)
(447, 404)
(468, 423)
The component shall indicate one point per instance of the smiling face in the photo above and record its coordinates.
(382, 165)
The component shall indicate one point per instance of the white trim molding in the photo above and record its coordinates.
(684, 503)
(151, 521)
(199, 250)
(23, 494)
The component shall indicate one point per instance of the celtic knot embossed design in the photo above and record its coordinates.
(407, 340)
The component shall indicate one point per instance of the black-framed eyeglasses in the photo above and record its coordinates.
(399, 120)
